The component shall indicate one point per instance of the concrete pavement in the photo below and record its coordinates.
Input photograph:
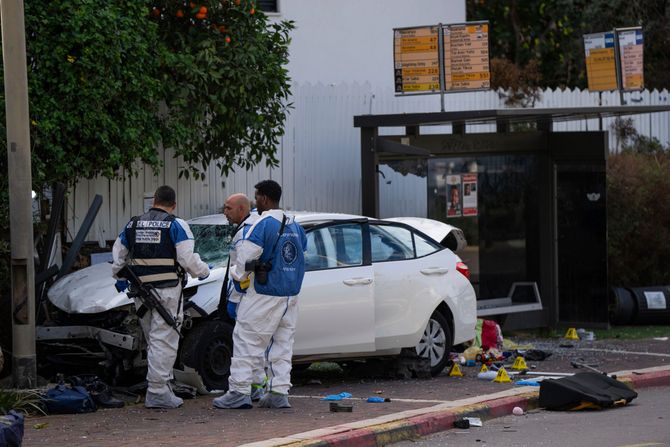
(417, 407)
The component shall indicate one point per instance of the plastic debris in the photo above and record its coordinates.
(462, 423)
(474, 422)
(517, 411)
(487, 375)
(527, 383)
(343, 395)
(378, 400)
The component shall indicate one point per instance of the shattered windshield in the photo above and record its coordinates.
(212, 242)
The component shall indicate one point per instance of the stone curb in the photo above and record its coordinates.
(413, 424)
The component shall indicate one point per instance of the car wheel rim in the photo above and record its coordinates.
(433, 343)
(218, 358)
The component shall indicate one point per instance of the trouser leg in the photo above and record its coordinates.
(280, 351)
(257, 319)
(162, 340)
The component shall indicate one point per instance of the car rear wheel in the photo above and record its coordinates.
(208, 348)
(435, 343)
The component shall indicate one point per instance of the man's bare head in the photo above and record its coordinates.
(236, 208)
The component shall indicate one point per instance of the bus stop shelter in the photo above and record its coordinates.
(531, 201)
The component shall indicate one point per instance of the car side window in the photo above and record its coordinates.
(424, 247)
(334, 246)
(391, 243)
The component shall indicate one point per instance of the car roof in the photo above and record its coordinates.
(302, 217)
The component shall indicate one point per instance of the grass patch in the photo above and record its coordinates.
(26, 401)
(632, 332)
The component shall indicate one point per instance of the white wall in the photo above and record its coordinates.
(352, 40)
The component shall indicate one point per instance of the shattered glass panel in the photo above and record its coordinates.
(212, 242)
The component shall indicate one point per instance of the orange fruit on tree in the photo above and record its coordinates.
(155, 12)
(203, 10)
(179, 13)
(252, 12)
(200, 16)
(227, 39)
(237, 2)
(191, 5)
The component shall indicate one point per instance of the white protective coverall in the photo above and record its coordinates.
(163, 340)
(266, 324)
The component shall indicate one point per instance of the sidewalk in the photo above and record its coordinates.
(417, 407)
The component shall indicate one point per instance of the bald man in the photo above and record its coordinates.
(237, 211)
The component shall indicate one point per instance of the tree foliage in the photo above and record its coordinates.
(549, 34)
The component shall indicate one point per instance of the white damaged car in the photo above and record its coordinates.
(372, 288)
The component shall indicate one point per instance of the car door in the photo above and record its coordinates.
(407, 287)
(336, 308)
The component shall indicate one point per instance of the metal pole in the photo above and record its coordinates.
(20, 200)
(440, 58)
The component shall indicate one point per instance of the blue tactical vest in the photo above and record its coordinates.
(152, 253)
(288, 260)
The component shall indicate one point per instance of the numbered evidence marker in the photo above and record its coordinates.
(600, 61)
(416, 59)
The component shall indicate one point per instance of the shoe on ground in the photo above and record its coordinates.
(257, 392)
(233, 400)
(274, 400)
(165, 399)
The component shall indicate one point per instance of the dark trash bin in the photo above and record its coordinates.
(653, 305)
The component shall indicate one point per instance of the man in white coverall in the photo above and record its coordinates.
(158, 247)
(237, 210)
(272, 255)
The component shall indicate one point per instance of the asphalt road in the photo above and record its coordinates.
(644, 422)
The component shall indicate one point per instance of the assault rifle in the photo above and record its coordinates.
(149, 297)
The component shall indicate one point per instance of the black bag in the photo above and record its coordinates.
(63, 399)
(586, 390)
(11, 429)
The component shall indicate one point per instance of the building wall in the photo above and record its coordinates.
(320, 155)
(352, 40)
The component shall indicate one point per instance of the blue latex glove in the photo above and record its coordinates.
(232, 310)
(121, 285)
(343, 395)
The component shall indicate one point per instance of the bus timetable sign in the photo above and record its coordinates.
(441, 58)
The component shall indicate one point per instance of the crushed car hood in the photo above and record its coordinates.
(87, 291)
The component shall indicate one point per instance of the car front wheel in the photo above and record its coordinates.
(435, 343)
(208, 348)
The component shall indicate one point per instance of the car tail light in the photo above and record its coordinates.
(461, 267)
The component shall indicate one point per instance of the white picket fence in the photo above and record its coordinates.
(320, 155)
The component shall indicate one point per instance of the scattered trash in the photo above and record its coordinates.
(462, 423)
(343, 395)
(517, 411)
(455, 370)
(40, 425)
(534, 355)
(661, 338)
(519, 363)
(502, 376)
(527, 382)
(379, 392)
(487, 375)
(571, 334)
(337, 407)
(583, 334)
(378, 400)
(474, 422)
(314, 382)
(592, 367)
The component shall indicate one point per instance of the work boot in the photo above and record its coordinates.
(164, 399)
(257, 392)
(233, 400)
(274, 400)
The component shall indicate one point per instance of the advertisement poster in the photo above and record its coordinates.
(469, 194)
(454, 206)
